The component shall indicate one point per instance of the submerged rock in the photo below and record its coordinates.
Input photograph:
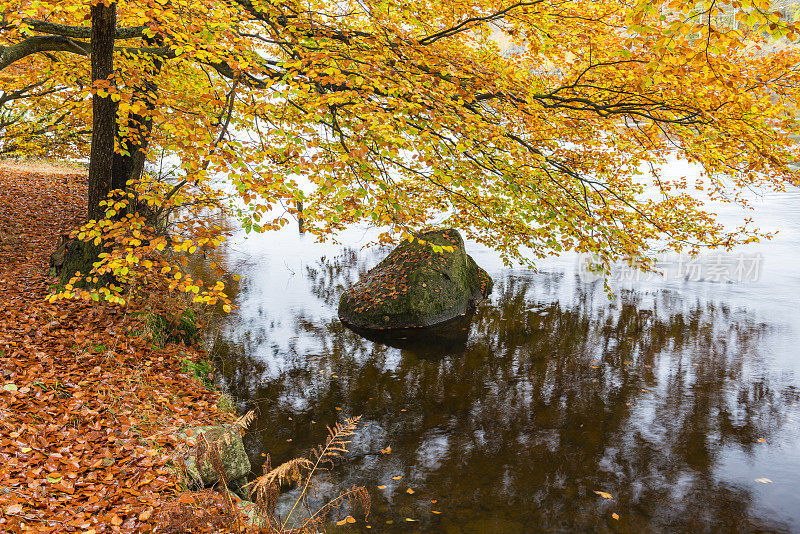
(416, 286)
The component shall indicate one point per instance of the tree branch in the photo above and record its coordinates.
(467, 23)
(40, 43)
(80, 32)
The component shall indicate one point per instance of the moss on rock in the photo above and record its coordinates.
(235, 463)
(416, 286)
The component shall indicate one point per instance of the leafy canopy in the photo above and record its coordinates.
(403, 114)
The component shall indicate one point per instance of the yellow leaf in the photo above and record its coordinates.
(382, 486)
(604, 495)
(615, 515)
(764, 480)
(409, 491)
(398, 477)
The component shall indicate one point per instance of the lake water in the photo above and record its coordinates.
(678, 397)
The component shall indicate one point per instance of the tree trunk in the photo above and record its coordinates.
(104, 109)
(79, 255)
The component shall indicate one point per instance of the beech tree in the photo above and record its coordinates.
(402, 115)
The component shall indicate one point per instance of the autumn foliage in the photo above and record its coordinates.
(402, 115)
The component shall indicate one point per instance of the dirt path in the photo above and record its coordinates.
(86, 410)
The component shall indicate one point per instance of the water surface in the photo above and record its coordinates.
(678, 397)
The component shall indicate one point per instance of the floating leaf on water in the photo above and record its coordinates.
(615, 515)
(603, 494)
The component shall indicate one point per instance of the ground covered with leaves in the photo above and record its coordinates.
(89, 411)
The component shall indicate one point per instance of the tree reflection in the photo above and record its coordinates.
(538, 405)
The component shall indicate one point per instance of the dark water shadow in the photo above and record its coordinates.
(533, 408)
(433, 342)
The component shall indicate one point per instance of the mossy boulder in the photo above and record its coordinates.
(235, 463)
(416, 285)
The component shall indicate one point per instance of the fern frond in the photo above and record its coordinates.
(333, 448)
(336, 444)
(286, 472)
(239, 425)
(244, 421)
(357, 495)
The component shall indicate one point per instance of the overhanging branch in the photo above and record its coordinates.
(41, 43)
(80, 32)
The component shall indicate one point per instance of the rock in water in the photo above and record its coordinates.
(416, 286)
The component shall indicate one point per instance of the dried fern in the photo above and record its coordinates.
(244, 421)
(333, 448)
(264, 491)
(265, 488)
(355, 495)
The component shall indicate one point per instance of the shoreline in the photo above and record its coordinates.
(89, 414)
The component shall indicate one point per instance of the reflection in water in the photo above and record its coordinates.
(511, 422)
